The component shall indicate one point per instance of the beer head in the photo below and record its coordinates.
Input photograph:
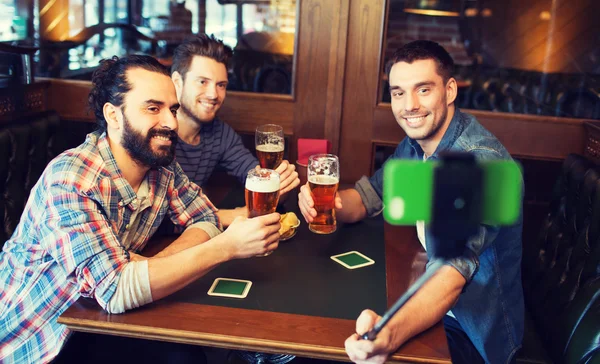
(262, 192)
(321, 180)
(262, 180)
(270, 148)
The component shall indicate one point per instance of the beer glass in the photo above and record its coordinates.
(323, 180)
(262, 192)
(269, 145)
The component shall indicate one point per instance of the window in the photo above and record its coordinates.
(540, 58)
(262, 33)
(263, 42)
(13, 20)
(115, 11)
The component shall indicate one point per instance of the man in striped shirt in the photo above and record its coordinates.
(199, 73)
(96, 206)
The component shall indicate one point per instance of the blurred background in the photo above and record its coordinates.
(73, 35)
(534, 57)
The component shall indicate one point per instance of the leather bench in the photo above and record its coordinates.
(27, 144)
(561, 272)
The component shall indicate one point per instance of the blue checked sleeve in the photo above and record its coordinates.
(78, 235)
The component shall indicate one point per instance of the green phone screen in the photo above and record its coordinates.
(408, 191)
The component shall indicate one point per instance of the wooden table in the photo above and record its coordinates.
(192, 317)
(274, 332)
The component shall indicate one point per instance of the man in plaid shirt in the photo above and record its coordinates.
(95, 207)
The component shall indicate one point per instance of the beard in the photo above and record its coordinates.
(185, 109)
(435, 128)
(190, 114)
(139, 148)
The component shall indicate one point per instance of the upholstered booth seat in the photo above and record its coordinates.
(27, 145)
(561, 268)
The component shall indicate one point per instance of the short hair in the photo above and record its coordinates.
(199, 45)
(423, 50)
(110, 84)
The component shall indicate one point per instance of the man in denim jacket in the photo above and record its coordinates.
(478, 295)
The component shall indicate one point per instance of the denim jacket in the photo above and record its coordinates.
(490, 308)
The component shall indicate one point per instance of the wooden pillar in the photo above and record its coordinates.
(54, 20)
(320, 74)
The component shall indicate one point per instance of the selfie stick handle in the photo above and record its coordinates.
(372, 334)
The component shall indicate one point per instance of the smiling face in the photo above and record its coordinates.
(203, 90)
(154, 149)
(422, 102)
(148, 118)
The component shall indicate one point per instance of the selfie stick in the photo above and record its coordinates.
(457, 178)
(372, 334)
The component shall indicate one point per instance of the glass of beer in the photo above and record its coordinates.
(269, 145)
(262, 192)
(323, 180)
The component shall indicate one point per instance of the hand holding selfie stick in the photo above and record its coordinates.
(456, 211)
(372, 334)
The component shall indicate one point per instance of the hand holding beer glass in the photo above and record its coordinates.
(269, 145)
(262, 192)
(323, 179)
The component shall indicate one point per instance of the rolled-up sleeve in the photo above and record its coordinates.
(207, 227)
(369, 196)
(370, 189)
(468, 263)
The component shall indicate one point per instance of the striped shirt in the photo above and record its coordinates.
(66, 244)
(220, 146)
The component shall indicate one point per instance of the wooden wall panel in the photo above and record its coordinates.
(336, 73)
(535, 136)
(70, 99)
(360, 87)
(243, 111)
(320, 71)
(530, 136)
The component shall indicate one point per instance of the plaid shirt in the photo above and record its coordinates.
(66, 244)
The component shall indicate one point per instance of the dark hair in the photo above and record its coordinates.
(109, 82)
(422, 50)
(199, 45)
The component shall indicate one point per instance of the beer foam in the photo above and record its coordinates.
(270, 148)
(256, 184)
(320, 179)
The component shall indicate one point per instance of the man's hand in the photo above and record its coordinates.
(366, 351)
(307, 204)
(251, 237)
(288, 177)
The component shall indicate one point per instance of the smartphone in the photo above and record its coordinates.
(410, 187)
